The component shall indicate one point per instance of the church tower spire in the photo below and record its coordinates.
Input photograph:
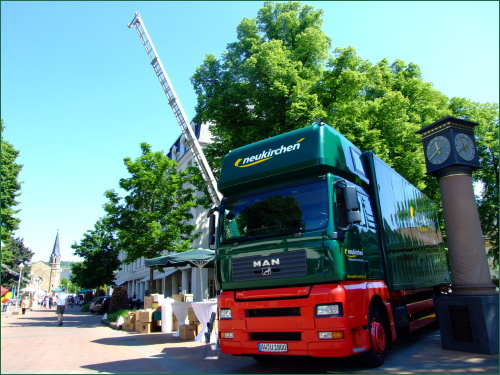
(55, 265)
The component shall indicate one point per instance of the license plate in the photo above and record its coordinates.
(273, 348)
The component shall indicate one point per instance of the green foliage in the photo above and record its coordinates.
(119, 301)
(278, 76)
(85, 307)
(114, 316)
(10, 191)
(17, 253)
(264, 83)
(100, 253)
(72, 288)
(154, 214)
(486, 114)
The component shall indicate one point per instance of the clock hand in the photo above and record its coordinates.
(434, 154)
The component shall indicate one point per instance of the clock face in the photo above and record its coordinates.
(438, 150)
(464, 146)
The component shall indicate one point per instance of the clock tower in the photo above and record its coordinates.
(449, 142)
(451, 156)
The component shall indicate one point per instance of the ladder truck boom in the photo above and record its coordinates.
(179, 113)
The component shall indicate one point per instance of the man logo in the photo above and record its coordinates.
(267, 262)
(266, 271)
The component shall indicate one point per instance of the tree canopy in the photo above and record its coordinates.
(153, 217)
(18, 253)
(99, 251)
(10, 190)
(279, 76)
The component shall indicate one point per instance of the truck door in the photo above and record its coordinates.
(356, 231)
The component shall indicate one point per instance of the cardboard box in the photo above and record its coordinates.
(136, 313)
(130, 318)
(191, 314)
(128, 326)
(178, 297)
(148, 302)
(146, 316)
(142, 327)
(198, 326)
(175, 323)
(187, 332)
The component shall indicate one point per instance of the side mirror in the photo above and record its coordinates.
(348, 207)
(351, 198)
(211, 225)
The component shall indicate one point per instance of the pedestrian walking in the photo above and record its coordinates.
(25, 303)
(62, 302)
(6, 303)
(46, 301)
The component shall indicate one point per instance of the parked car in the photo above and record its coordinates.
(101, 305)
(96, 304)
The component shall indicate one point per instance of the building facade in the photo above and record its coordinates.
(136, 275)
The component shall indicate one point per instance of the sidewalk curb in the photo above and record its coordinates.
(111, 325)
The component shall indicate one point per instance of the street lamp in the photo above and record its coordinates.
(21, 266)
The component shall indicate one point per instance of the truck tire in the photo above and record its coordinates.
(375, 356)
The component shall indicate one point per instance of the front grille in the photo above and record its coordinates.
(275, 336)
(289, 264)
(283, 311)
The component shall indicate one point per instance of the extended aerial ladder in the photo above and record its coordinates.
(174, 102)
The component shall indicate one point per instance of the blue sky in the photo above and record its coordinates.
(78, 94)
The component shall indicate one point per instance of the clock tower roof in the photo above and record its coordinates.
(448, 120)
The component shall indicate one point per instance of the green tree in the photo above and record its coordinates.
(100, 258)
(19, 254)
(72, 288)
(486, 115)
(278, 76)
(263, 85)
(10, 190)
(153, 216)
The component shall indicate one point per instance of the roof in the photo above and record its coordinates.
(56, 251)
(157, 275)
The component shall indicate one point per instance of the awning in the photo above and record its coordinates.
(157, 275)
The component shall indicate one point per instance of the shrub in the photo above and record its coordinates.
(113, 317)
(85, 307)
(119, 301)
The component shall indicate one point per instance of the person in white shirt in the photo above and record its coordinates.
(62, 302)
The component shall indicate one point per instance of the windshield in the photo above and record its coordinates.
(297, 208)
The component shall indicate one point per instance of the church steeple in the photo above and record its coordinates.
(56, 252)
(55, 265)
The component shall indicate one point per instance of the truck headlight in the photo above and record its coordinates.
(333, 309)
(225, 314)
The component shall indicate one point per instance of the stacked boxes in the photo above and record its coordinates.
(145, 316)
(129, 321)
(193, 320)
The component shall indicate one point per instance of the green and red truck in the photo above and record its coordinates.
(322, 250)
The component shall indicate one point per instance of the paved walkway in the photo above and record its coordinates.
(34, 344)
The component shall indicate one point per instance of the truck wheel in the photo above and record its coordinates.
(378, 339)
